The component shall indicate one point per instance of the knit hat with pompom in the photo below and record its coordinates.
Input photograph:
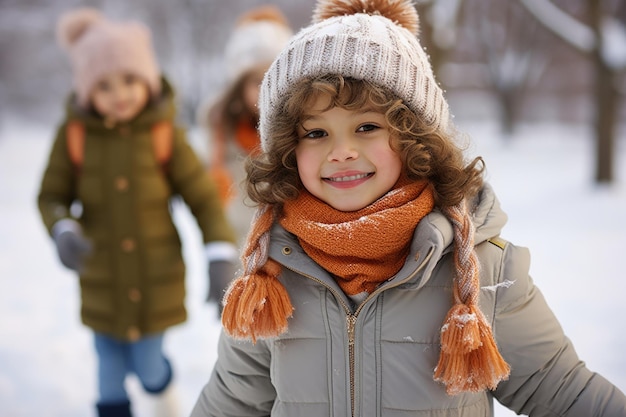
(97, 47)
(376, 41)
(258, 37)
(372, 40)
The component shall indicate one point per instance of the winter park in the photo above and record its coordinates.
(536, 108)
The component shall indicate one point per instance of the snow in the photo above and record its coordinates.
(576, 232)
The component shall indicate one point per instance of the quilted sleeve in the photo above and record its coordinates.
(547, 376)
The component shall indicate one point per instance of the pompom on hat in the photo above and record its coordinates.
(259, 36)
(97, 47)
(375, 41)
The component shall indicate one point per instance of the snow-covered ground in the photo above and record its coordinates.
(575, 230)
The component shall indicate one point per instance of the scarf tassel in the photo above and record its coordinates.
(257, 305)
(469, 360)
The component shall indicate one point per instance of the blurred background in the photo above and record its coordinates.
(509, 61)
(539, 86)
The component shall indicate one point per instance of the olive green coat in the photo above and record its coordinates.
(133, 280)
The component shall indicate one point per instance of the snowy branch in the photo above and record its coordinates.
(613, 34)
(561, 24)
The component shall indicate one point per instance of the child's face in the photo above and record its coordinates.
(345, 157)
(120, 96)
(251, 88)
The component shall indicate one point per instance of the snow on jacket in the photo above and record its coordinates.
(378, 358)
(133, 282)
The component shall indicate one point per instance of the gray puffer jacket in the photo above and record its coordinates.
(393, 338)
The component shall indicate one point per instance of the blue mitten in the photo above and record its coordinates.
(72, 246)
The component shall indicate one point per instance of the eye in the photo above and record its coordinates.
(367, 127)
(313, 134)
(130, 79)
(103, 86)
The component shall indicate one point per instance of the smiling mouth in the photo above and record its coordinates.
(348, 178)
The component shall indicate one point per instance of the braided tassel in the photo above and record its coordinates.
(256, 305)
(469, 358)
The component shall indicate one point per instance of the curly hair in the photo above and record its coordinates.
(272, 177)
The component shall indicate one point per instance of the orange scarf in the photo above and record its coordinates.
(361, 248)
(247, 136)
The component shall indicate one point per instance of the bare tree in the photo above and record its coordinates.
(603, 40)
(513, 54)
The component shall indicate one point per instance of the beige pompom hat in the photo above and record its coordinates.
(357, 39)
(98, 46)
(258, 37)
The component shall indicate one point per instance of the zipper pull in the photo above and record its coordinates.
(351, 319)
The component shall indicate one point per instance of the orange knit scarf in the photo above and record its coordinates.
(361, 248)
(247, 136)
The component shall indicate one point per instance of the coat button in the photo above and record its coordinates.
(134, 295)
(133, 334)
(128, 245)
(121, 183)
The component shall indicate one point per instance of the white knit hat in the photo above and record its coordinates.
(258, 37)
(372, 40)
(97, 47)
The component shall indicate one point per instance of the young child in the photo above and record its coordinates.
(375, 281)
(230, 119)
(120, 156)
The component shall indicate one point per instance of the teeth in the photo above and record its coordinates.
(348, 178)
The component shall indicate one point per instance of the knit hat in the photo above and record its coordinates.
(97, 46)
(367, 40)
(372, 40)
(258, 37)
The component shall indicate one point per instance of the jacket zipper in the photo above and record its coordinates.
(352, 318)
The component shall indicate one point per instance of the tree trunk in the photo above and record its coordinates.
(606, 103)
(606, 113)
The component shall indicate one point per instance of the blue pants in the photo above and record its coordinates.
(117, 358)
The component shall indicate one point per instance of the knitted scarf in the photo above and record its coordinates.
(360, 248)
(247, 136)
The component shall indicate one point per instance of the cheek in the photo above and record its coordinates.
(251, 97)
(389, 160)
(100, 103)
(308, 164)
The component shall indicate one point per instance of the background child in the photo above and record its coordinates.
(120, 156)
(375, 281)
(231, 118)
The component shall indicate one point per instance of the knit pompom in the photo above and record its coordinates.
(72, 25)
(402, 12)
(266, 13)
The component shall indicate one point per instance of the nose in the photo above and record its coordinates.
(343, 149)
